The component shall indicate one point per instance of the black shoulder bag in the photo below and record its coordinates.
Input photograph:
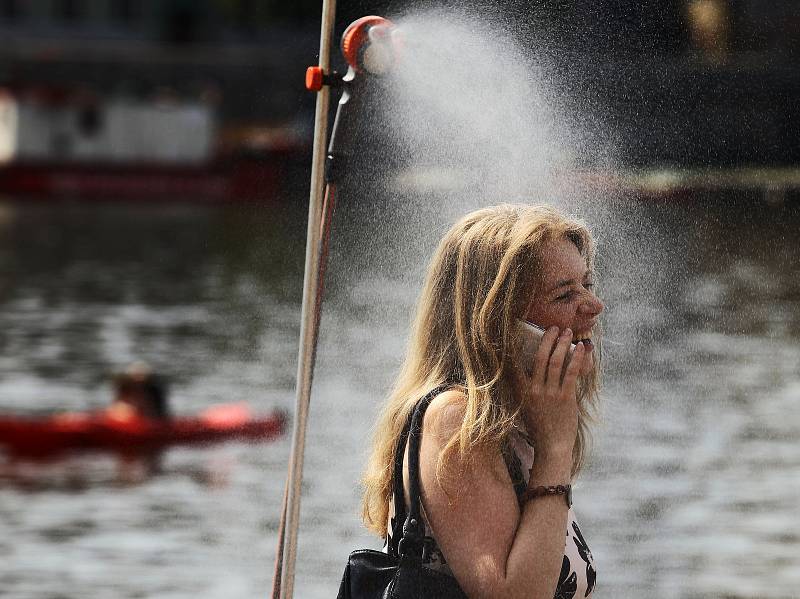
(399, 574)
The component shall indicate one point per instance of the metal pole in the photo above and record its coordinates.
(310, 311)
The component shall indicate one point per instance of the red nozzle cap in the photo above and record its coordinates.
(314, 79)
(355, 36)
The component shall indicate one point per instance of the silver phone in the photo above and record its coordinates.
(528, 338)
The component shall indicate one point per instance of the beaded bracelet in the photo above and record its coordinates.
(565, 490)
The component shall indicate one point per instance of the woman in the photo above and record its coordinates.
(497, 510)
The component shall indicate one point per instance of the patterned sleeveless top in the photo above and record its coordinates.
(577, 577)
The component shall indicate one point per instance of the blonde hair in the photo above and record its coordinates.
(480, 280)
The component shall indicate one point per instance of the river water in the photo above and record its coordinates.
(691, 492)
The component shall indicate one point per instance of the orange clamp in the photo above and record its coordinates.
(314, 79)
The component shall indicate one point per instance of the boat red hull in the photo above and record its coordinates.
(86, 432)
(248, 179)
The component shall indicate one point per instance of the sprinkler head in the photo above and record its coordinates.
(370, 44)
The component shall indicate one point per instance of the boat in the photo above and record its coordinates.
(62, 143)
(47, 437)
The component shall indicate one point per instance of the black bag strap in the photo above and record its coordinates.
(412, 530)
(397, 488)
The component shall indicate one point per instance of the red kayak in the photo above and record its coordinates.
(45, 437)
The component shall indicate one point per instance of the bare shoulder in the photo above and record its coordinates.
(443, 422)
(457, 495)
(445, 415)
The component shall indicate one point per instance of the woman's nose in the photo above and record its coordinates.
(592, 304)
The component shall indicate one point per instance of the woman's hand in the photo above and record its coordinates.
(551, 416)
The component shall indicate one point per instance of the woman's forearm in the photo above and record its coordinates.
(534, 561)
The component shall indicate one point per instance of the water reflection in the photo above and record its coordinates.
(88, 288)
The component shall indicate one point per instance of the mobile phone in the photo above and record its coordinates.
(528, 338)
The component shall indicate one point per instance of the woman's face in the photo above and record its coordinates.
(564, 297)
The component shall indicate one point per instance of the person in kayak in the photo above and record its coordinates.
(139, 393)
(505, 438)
